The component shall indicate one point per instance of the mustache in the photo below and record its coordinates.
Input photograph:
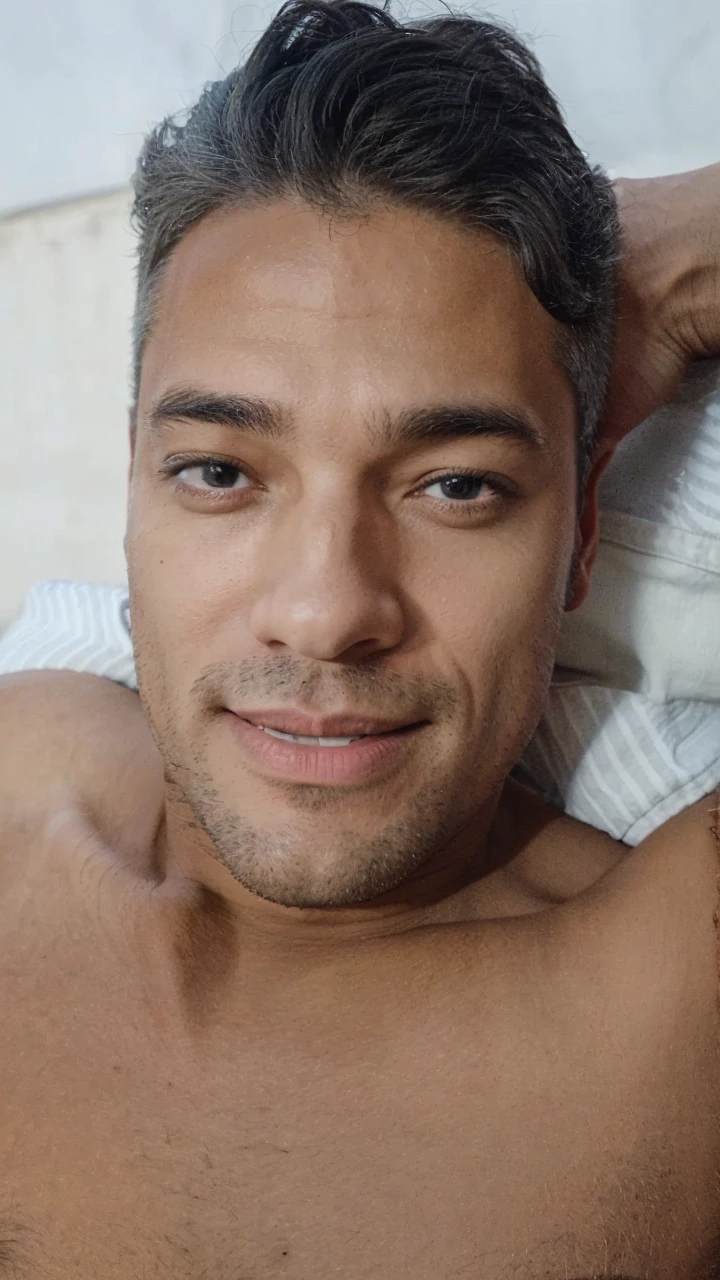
(370, 689)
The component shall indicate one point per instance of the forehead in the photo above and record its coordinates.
(397, 306)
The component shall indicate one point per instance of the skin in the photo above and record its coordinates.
(416, 1025)
(668, 311)
(333, 564)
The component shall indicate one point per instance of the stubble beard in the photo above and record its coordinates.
(285, 865)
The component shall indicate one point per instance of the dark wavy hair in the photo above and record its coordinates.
(342, 106)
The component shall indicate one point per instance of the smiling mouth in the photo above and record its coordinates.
(352, 750)
(308, 741)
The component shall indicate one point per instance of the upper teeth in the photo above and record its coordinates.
(311, 742)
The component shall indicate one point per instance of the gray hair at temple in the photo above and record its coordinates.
(344, 108)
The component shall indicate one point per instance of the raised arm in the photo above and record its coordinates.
(669, 292)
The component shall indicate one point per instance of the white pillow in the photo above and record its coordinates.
(631, 735)
(651, 623)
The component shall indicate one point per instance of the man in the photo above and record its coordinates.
(305, 987)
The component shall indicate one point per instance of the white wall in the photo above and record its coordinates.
(638, 78)
(66, 284)
(81, 81)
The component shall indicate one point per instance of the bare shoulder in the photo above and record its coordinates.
(680, 861)
(649, 925)
(72, 739)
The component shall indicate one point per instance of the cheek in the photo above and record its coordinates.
(505, 637)
(499, 618)
(507, 589)
(189, 581)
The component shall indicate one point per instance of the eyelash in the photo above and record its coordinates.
(171, 469)
(498, 485)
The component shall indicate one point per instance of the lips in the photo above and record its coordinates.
(319, 758)
(301, 724)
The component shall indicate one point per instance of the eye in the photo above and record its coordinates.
(462, 486)
(204, 474)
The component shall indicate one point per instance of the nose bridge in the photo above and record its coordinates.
(322, 522)
(328, 588)
(337, 530)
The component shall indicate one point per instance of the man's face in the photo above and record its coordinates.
(352, 515)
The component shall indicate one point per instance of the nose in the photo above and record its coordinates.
(328, 590)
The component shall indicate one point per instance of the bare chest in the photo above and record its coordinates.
(123, 1163)
(490, 1139)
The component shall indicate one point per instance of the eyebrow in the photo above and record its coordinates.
(212, 409)
(462, 421)
(412, 426)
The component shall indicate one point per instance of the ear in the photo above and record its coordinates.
(588, 534)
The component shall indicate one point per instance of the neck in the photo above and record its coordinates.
(216, 948)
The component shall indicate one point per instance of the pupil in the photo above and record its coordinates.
(220, 475)
(463, 487)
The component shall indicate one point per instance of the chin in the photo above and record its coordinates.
(299, 866)
(330, 850)
(299, 878)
